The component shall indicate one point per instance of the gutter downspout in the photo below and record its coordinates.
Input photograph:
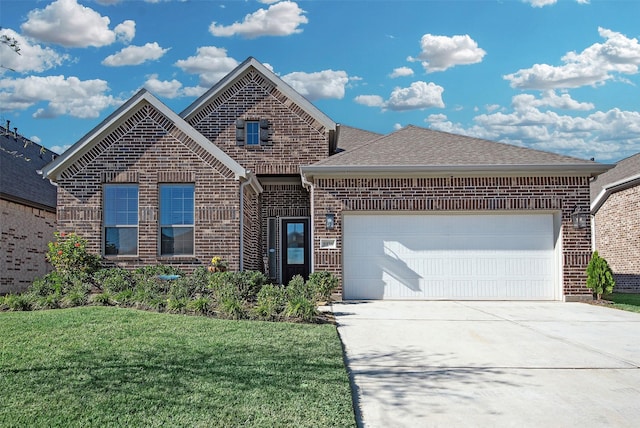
(310, 187)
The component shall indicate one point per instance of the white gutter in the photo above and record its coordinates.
(311, 188)
(612, 188)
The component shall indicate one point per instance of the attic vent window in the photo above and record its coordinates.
(252, 132)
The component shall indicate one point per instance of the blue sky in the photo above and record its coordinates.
(555, 75)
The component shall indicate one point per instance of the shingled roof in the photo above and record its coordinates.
(625, 174)
(416, 149)
(349, 138)
(20, 159)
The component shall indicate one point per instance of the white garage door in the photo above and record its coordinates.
(461, 257)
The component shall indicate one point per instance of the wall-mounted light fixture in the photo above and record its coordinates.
(579, 218)
(330, 221)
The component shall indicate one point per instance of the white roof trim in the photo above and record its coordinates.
(55, 168)
(616, 186)
(280, 84)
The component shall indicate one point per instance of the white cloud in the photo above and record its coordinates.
(441, 52)
(370, 100)
(32, 57)
(210, 63)
(63, 96)
(543, 3)
(164, 88)
(419, 95)
(549, 99)
(135, 55)
(67, 23)
(60, 149)
(280, 19)
(604, 135)
(593, 66)
(401, 72)
(397, 126)
(540, 3)
(318, 85)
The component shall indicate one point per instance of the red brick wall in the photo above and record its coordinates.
(24, 234)
(147, 149)
(295, 139)
(617, 225)
(559, 194)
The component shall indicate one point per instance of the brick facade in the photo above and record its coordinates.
(147, 149)
(24, 235)
(458, 194)
(295, 137)
(617, 233)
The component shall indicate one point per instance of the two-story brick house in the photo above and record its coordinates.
(255, 173)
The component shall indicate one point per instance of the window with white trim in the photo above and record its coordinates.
(120, 219)
(176, 219)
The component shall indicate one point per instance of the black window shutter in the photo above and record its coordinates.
(240, 132)
(264, 131)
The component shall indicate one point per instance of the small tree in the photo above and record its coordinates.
(599, 276)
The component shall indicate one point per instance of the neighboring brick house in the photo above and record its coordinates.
(256, 174)
(615, 207)
(28, 211)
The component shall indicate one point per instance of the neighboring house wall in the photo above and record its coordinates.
(458, 194)
(617, 230)
(25, 233)
(295, 137)
(147, 149)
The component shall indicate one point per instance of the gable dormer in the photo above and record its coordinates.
(261, 122)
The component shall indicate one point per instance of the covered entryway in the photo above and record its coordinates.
(466, 256)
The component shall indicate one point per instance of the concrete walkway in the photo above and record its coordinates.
(492, 364)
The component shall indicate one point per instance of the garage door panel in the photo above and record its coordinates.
(449, 257)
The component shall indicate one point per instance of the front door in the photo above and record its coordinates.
(295, 249)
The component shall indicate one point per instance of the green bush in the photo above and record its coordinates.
(242, 285)
(300, 307)
(113, 280)
(323, 284)
(200, 305)
(17, 302)
(76, 296)
(599, 276)
(297, 287)
(231, 307)
(103, 298)
(271, 301)
(68, 253)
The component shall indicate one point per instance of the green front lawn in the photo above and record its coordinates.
(625, 301)
(102, 366)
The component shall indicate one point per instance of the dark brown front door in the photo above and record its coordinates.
(295, 249)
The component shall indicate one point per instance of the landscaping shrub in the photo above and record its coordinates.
(599, 276)
(113, 280)
(68, 253)
(242, 285)
(17, 302)
(322, 283)
(103, 298)
(200, 305)
(271, 301)
(301, 308)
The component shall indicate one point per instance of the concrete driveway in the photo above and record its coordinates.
(502, 364)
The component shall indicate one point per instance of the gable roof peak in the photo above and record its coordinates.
(237, 73)
(54, 169)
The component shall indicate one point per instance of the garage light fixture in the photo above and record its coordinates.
(330, 221)
(579, 218)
